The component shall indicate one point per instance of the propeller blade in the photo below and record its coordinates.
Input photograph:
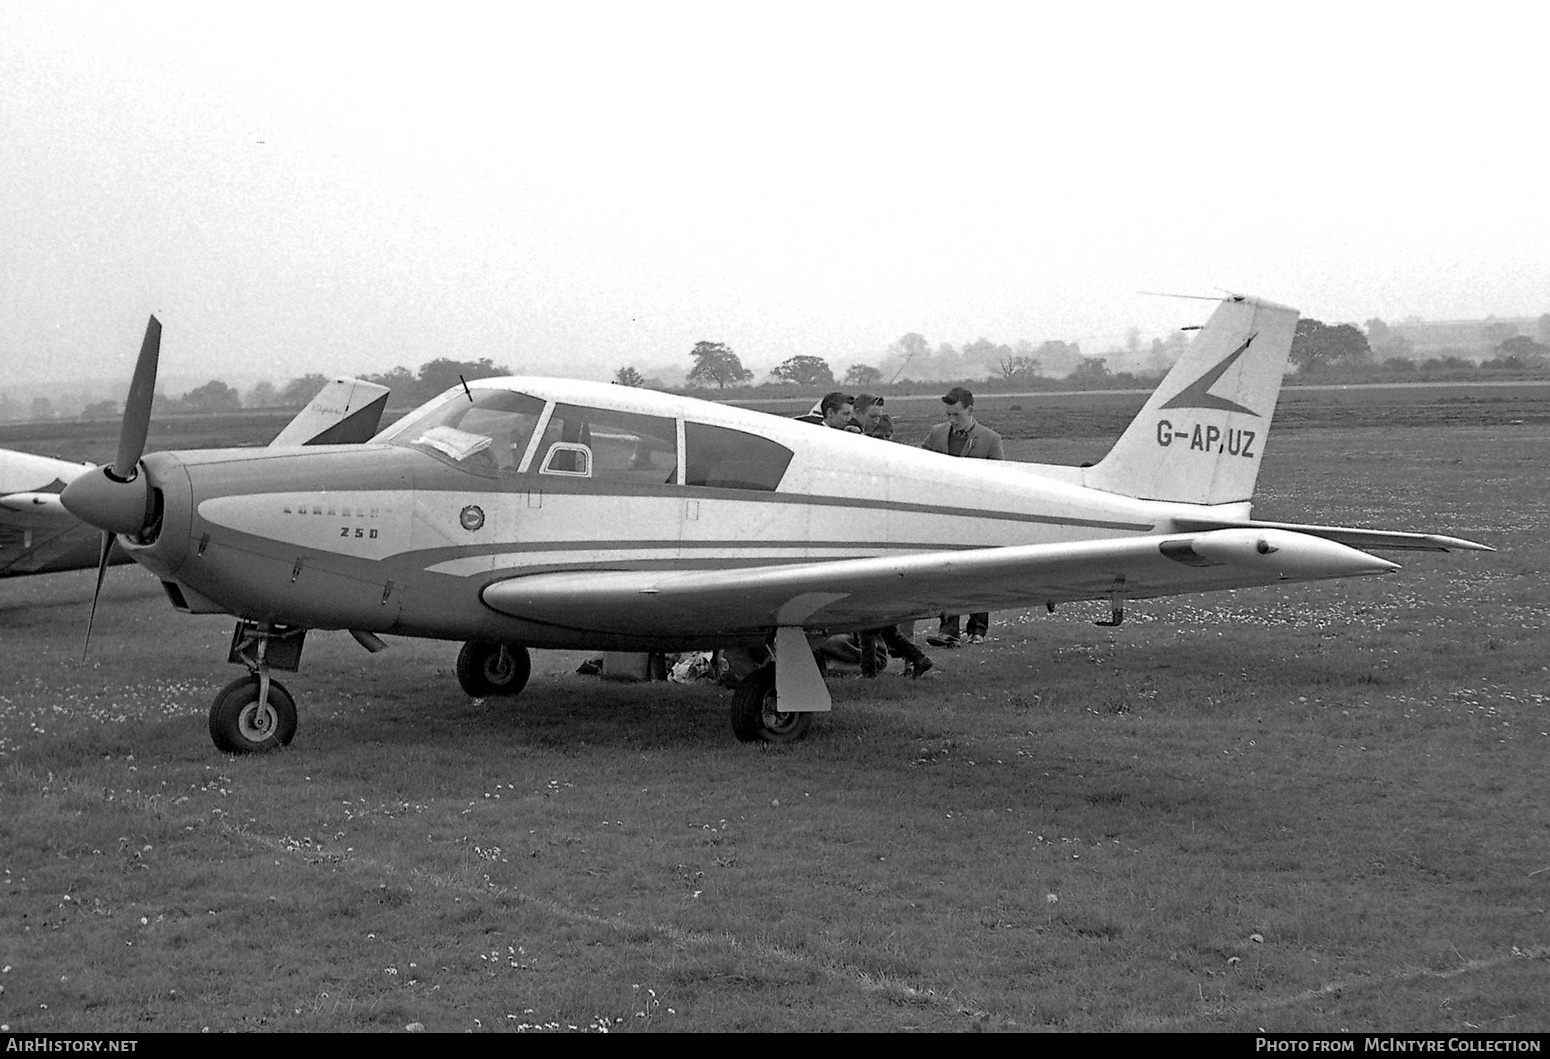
(102, 569)
(137, 407)
(115, 498)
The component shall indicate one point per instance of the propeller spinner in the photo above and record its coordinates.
(116, 498)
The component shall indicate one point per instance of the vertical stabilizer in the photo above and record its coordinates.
(345, 412)
(1201, 435)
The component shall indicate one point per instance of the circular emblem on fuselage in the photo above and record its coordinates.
(472, 517)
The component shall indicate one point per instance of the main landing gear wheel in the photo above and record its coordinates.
(240, 725)
(486, 670)
(756, 717)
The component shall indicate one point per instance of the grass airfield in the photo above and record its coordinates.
(1312, 808)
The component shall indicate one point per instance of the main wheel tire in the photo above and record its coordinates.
(238, 725)
(755, 716)
(485, 671)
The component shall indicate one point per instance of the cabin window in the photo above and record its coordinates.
(731, 459)
(614, 446)
(487, 435)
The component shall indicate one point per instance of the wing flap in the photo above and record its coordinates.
(865, 593)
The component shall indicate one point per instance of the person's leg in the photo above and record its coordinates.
(869, 652)
(899, 645)
(915, 660)
(947, 634)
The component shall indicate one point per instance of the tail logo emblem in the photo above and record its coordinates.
(1197, 395)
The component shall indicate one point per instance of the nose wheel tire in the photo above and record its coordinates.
(756, 715)
(239, 724)
(485, 670)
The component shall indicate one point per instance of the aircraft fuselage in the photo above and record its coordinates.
(402, 538)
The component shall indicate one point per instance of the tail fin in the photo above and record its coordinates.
(345, 412)
(1200, 436)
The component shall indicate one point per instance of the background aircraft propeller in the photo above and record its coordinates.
(116, 498)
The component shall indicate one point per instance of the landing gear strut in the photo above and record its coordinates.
(255, 713)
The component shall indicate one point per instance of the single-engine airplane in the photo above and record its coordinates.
(38, 536)
(526, 513)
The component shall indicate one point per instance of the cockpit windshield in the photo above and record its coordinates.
(491, 432)
(484, 431)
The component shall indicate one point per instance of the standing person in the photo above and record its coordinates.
(962, 435)
(870, 419)
(832, 410)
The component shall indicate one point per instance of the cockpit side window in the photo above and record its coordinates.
(486, 435)
(624, 446)
(730, 459)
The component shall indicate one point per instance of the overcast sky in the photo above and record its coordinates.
(569, 188)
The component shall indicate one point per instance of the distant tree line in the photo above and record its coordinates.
(1343, 350)
(1319, 348)
(912, 360)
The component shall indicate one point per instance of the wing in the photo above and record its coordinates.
(1384, 540)
(865, 593)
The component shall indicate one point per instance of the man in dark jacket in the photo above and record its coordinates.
(832, 410)
(962, 435)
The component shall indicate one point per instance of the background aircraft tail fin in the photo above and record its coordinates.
(1200, 437)
(345, 412)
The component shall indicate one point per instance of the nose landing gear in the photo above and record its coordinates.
(255, 713)
(248, 717)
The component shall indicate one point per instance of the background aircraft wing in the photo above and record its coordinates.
(865, 593)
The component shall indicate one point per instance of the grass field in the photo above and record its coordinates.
(1312, 808)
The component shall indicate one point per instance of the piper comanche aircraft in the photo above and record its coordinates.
(38, 536)
(526, 513)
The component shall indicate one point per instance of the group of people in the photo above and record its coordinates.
(959, 435)
(859, 415)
